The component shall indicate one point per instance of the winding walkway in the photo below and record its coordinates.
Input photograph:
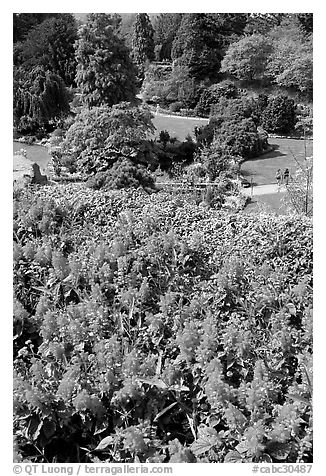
(267, 189)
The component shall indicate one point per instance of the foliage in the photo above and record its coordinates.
(150, 329)
(262, 23)
(217, 161)
(233, 125)
(171, 152)
(202, 39)
(100, 136)
(212, 95)
(299, 195)
(105, 72)
(23, 23)
(143, 41)
(123, 174)
(281, 55)
(51, 45)
(40, 99)
(291, 62)
(279, 114)
(176, 86)
(247, 59)
(166, 26)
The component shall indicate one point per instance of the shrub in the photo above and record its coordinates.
(100, 136)
(234, 126)
(212, 95)
(175, 152)
(279, 115)
(176, 106)
(123, 174)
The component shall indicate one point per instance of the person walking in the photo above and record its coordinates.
(278, 177)
(286, 176)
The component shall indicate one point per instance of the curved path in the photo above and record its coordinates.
(266, 189)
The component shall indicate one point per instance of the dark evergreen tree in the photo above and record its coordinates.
(40, 99)
(202, 40)
(105, 72)
(166, 26)
(24, 22)
(51, 45)
(143, 40)
(279, 115)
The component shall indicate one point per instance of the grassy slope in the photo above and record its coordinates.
(177, 126)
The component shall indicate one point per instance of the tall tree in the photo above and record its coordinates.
(247, 58)
(105, 72)
(143, 40)
(23, 23)
(166, 26)
(202, 39)
(51, 45)
(40, 98)
(291, 63)
(262, 23)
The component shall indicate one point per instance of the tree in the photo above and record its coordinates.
(40, 99)
(282, 56)
(105, 72)
(212, 95)
(23, 23)
(262, 23)
(143, 40)
(291, 63)
(202, 39)
(233, 125)
(100, 136)
(51, 45)
(166, 27)
(247, 58)
(279, 115)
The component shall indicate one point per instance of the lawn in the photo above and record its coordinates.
(263, 168)
(178, 127)
(268, 203)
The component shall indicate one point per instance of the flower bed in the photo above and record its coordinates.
(149, 329)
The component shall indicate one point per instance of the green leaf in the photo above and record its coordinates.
(49, 428)
(298, 398)
(201, 445)
(103, 444)
(279, 451)
(165, 410)
(242, 447)
(233, 457)
(156, 382)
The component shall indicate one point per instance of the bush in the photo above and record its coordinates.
(123, 174)
(234, 126)
(100, 136)
(176, 106)
(174, 152)
(279, 115)
(212, 95)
